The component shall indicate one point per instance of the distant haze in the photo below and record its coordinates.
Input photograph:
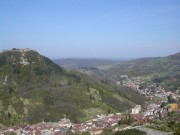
(91, 28)
(81, 63)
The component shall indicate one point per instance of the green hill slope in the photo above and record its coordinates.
(34, 89)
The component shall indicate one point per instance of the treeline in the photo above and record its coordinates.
(130, 132)
(123, 132)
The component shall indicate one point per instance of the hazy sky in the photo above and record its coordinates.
(91, 28)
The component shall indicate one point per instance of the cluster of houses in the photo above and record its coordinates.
(42, 128)
(151, 112)
(95, 126)
(64, 126)
(149, 89)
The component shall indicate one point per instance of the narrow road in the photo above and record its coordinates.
(150, 131)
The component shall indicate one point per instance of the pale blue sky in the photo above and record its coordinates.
(91, 28)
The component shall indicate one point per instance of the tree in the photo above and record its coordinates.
(109, 111)
(86, 133)
(171, 99)
(11, 90)
(107, 131)
(126, 121)
(130, 132)
(163, 104)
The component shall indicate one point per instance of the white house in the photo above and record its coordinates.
(136, 109)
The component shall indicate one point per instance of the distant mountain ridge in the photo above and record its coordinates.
(164, 71)
(175, 56)
(76, 63)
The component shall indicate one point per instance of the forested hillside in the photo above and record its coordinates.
(34, 89)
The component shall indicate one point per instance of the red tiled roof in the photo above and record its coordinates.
(96, 129)
(5, 127)
(59, 133)
(16, 128)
